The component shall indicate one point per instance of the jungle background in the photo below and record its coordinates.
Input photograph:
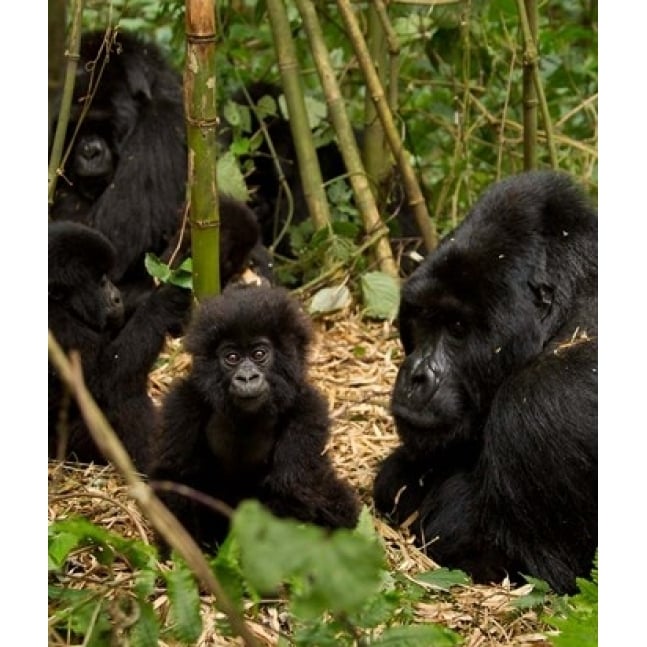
(459, 112)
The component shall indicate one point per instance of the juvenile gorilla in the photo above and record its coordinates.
(85, 313)
(128, 165)
(245, 422)
(496, 402)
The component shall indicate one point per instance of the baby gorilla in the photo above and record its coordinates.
(245, 423)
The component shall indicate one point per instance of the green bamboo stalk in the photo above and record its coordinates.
(375, 151)
(416, 199)
(529, 95)
(202, 121)
(309, 169)
(528, 18)
(393, 44)
(72, 55)
(347, 143)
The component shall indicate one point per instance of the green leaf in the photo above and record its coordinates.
(156, 268)
(229, 178)
(536, 597)
(418, 636)
(381, 294)
(271, 549)
(81, 612)
(233, 114)
(365, 526)
(59, 547)
(145, 632)
(266, 106)
(330, 300)
(442, 578)
(180, 276)
(336, 572)
(185, 602)
(145, 583)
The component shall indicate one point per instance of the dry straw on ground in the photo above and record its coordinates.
(354, 363)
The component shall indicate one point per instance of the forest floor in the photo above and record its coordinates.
(354, 363)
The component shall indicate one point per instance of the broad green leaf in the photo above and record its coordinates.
(536, 597)
(330, 300)
(345, 572)
(185, 602)
(155, 267)
(442, 578)
(145, 583)
(145, 632)
(180, 276)
(381, 295)
(266, 106)
(59, 547)
(229, 178)
(418, 636)
(271, 549)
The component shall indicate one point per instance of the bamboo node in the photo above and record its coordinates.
(211, 122)
(201, 38)
(206, 224)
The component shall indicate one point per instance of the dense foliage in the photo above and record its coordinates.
(459, 93)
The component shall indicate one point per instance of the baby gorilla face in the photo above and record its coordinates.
(245, 367)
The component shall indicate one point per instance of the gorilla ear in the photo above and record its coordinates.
(543, 295)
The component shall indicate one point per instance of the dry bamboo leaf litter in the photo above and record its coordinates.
(354, 363)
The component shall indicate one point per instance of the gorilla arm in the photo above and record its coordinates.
(302, 479)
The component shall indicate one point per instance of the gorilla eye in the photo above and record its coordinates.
(259, 354)
(232, 358)
(457, 328)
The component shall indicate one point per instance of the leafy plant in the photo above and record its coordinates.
(577, 620)
(335, 586)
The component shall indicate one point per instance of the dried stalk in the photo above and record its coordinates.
(415, 198)
(162, 519)
(347, 142)
(309, 169)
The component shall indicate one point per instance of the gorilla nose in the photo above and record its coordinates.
(425, 376)
(91, 150)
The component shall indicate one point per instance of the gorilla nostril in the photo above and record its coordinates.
(91, 150)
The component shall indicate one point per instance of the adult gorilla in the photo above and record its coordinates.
(496, 401)
(128, 165)
(85, 313)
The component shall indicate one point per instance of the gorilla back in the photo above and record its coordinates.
(496, 401)
(128, 165)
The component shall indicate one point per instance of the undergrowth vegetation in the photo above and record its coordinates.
(329, 588)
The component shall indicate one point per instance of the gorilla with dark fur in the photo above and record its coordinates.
(495, 403)
(245, 422)
(128, 165)
(86, 313)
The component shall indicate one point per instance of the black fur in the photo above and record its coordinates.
(267, 446)
(85, 313)
(129, 163)
(496, 401)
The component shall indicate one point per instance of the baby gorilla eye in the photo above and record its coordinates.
(259, 354)
(232, 358)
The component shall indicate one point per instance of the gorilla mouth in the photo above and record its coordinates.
(424, 419)
(250, 402)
